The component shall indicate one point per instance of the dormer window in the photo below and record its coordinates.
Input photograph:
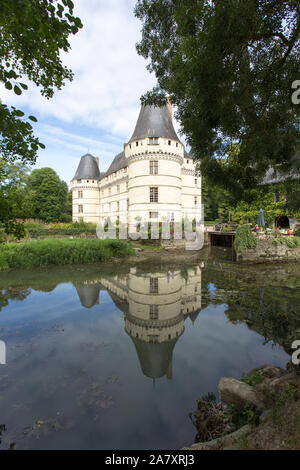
(153, 141)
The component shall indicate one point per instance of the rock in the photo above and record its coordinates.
(282, 379)
(264, 416)
(235, 392)
(221, 442)
(268, 372)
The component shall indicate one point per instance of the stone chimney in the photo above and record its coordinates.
(97, 160)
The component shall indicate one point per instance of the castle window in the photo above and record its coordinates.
(80, 194)
(78, 181)
(153, 312)
(195, 181)
(153, 167)
(169, 142)
(154, 194)
(80, 209)
(176, 144)
(153, 285)
(87, 181)
(153, 215)
(195, 200)
(187, 162)
(153, 141)
(137, 144)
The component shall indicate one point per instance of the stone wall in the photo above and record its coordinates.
(267, 250)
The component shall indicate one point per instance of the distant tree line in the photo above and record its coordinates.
(38, 194)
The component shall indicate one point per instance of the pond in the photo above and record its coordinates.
(115, 356)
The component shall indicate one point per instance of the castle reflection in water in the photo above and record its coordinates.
(155, 307)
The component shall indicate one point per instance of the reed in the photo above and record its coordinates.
(61, 251)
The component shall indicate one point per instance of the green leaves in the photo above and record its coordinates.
(32, 35)
(17, 90)
(228, 67)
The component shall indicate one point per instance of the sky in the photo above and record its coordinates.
(97, 111)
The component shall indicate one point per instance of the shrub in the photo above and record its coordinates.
(291, 242)
(3, 236)
(244, 239)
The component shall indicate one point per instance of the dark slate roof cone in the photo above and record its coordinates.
(88, 168)
(154, 121)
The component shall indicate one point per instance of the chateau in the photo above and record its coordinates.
(152, 178)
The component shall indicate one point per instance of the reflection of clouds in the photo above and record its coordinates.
(51, 370)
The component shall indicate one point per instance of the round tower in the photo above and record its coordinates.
(154, 155)
(85, 190)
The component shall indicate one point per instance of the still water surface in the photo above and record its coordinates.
(115, 358)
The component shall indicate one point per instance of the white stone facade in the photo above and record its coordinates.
(153, 178)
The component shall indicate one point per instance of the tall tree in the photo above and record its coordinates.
(33, 33)
(49, 195)
(231, 68)
(15, 202)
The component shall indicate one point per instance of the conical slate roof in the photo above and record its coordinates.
(154, 121)
(88, 168)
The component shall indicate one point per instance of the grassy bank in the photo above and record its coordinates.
(60, 252)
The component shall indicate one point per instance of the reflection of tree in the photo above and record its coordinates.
(16, 293)
(266, 300)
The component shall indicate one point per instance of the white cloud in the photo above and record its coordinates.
(109, 75)
(104, 97)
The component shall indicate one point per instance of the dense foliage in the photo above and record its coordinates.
(40, 194)
(49, 195)
(38, 230)
(229, 67)
(33, 33)
(14, 198)
(61, 251)
(264, 197)
(244, 239)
